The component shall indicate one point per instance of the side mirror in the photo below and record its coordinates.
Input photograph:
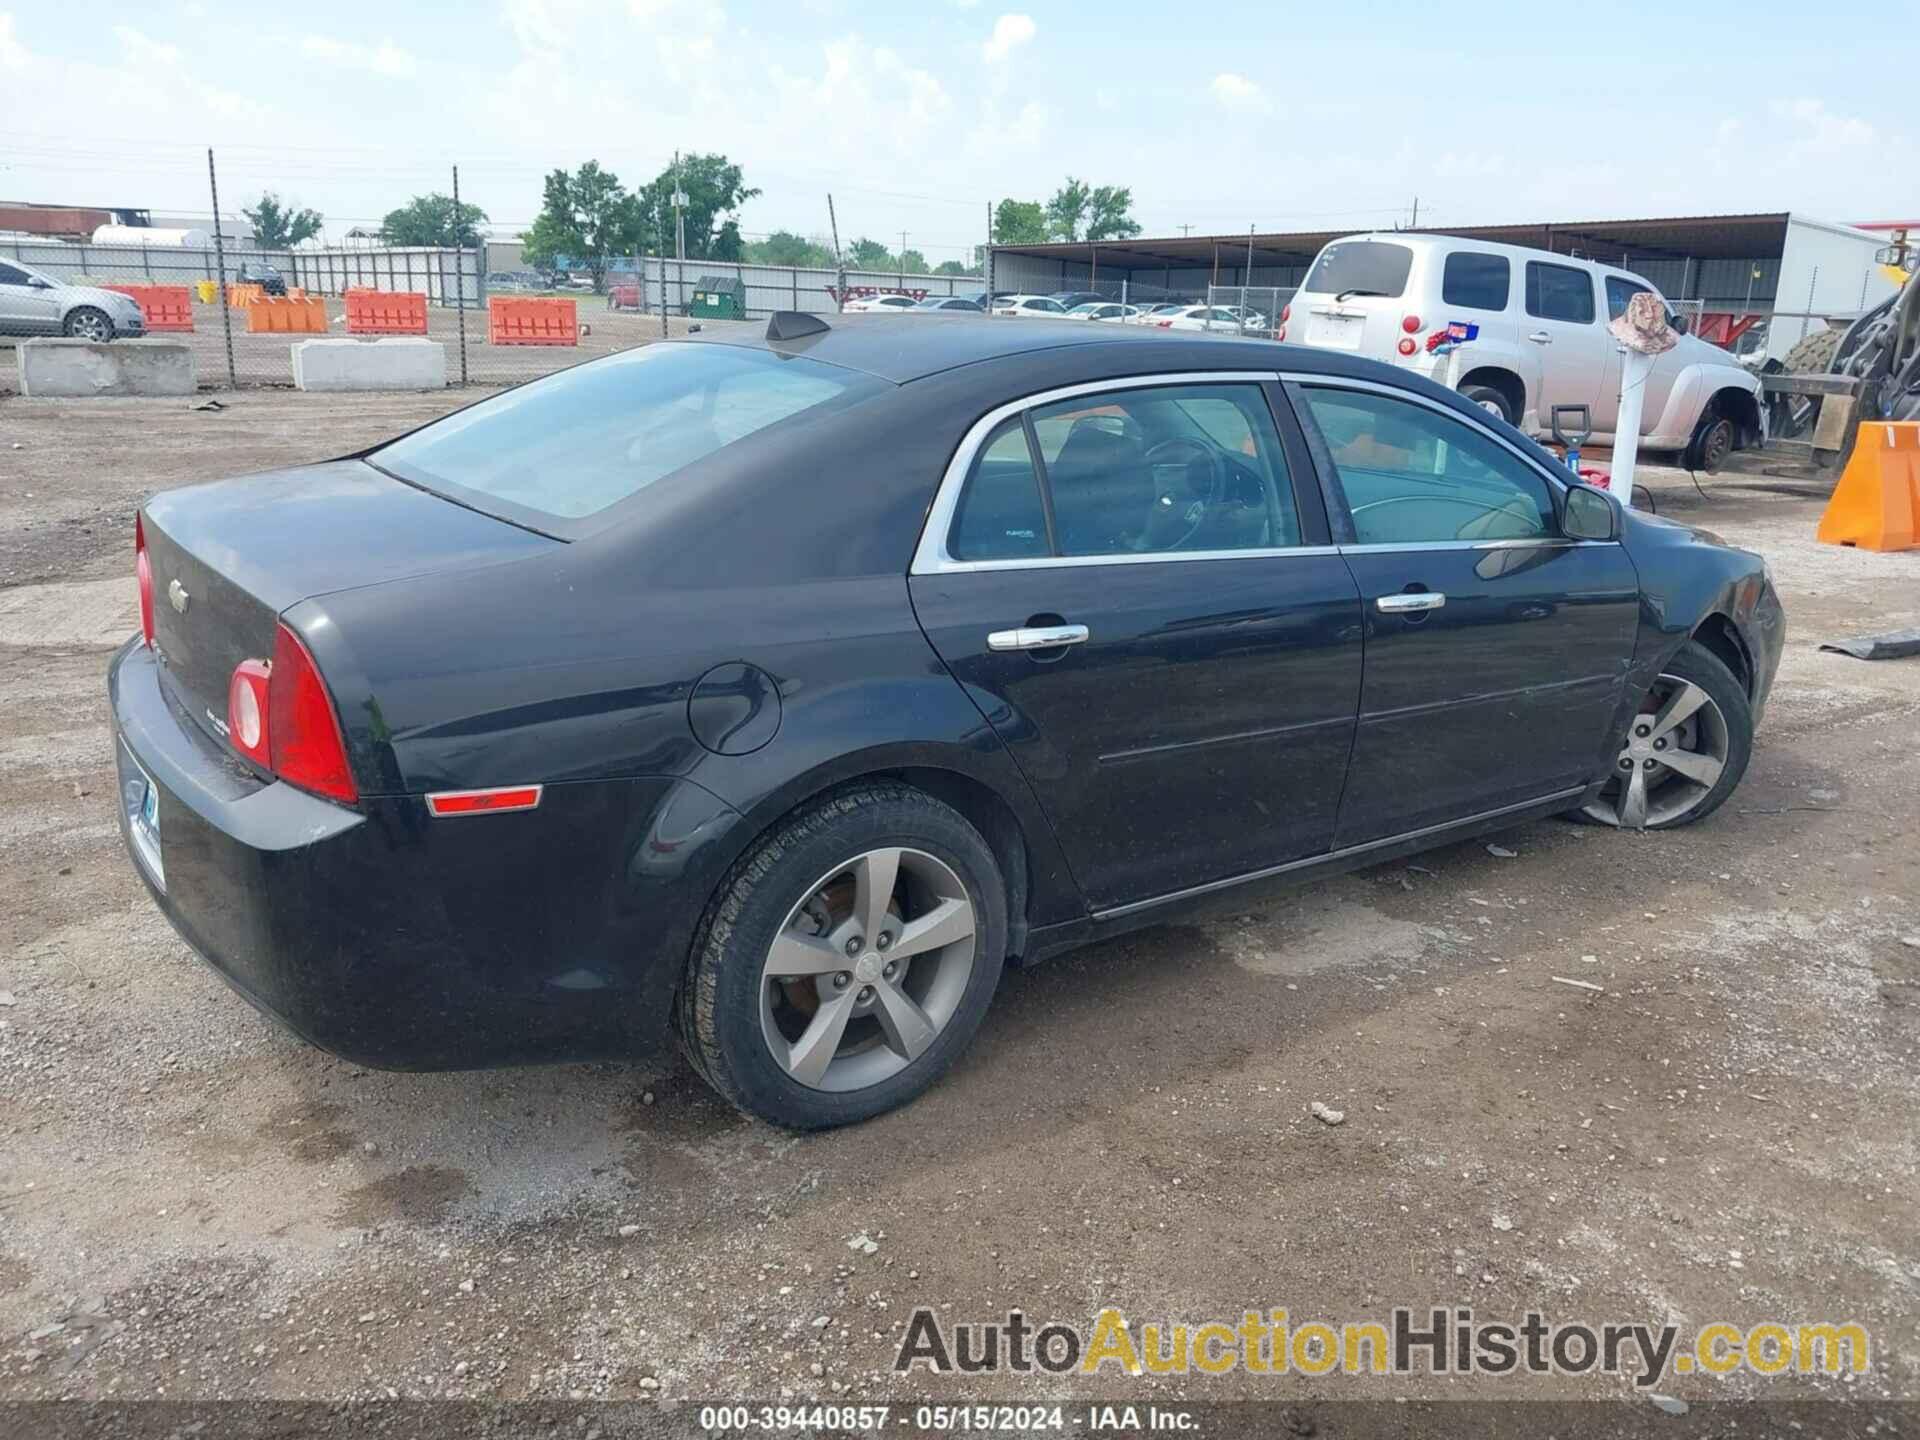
(1678, 322)
(38, 284)
(1590, 515)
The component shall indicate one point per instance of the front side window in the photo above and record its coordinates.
(572, 444)
(10, 276)
(1158, 470)
(1474, 280)
(1413, 476)
(1619, 292)
(1559, 292)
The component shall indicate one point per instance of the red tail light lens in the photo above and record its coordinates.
(1410, 324)
(1407, 347)
(1286, 313)
(143, 570)
(1281, 333)
(306, 744)
(248, 704)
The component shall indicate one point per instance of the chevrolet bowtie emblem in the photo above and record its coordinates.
(177, 596)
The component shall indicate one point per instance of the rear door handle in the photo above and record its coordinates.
(1407, 603)
(1038, 637)
(1540, 337)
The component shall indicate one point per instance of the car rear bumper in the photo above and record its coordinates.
(400, 941)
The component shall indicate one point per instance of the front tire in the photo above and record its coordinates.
(1686, 750)
(87, 323)
(847, 960)
(1713, 440)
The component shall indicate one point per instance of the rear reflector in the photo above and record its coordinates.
(143, 571)
(484, 802)
(248, 704)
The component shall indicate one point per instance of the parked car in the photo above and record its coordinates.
(1196, 317)
(1150, 313)
(1519, 331)
(883, 304)
(1103, 310)
(1070, 299)
(1043, 307)
(951, 302)
(255, 272)
(32, 303)
(818, 674)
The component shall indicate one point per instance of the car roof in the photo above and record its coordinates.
(901, 355)
(1423, 241)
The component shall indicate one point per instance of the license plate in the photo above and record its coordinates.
(141, 797)
(1334, 331)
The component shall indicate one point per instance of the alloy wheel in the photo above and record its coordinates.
(1675, 752)
(89, 325)
(867, 969)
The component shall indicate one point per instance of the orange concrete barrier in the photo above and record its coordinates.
(386, 312)
(532, 322)
(1878, 498)
(164, 307)
(241, 296)
(272, 315)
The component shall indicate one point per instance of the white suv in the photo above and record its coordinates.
(1519, 331)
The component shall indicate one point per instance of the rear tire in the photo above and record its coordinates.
(1491, 400)
(1813, 353)
(750, 1015)
(87, 323)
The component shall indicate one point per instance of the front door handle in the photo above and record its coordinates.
(1037, 637)
(1540, 337)
(1407, 603)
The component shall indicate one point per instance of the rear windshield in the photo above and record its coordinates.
(1366, 267)
(572, 444)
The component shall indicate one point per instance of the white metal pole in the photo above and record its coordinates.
(1634, 369)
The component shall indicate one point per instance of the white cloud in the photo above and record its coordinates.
(144, 50)
(1820, 128)
(1010, 32)
(1236, 92)
(386, 58)
(13, 55)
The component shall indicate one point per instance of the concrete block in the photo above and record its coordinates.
(395, 363)
(71, 368)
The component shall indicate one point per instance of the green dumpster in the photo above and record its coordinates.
(718, 297)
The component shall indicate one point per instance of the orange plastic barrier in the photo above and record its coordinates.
(1878, 498)
(164, 307)
(386, 312)
(241, 296)
(272, 315)
(532, 322)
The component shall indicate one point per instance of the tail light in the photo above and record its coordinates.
(1286, 313)
(1410, 324)
(1163, 325)
(280, 716)
(1407, 347)
(143, 570)
(1281, 333)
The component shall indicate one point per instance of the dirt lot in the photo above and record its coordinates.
(265, 359)
(194, 1204)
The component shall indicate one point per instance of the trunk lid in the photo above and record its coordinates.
(228, 558)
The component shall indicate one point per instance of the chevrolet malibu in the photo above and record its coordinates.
(777, 692)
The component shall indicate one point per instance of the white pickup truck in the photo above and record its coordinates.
(1520, 331)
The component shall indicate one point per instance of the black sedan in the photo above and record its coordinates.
(777, 692)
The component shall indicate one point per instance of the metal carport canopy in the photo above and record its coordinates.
(1703, 237)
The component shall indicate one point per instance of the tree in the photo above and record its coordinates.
(431, 220)
(869, 255)
(912, 262)
(1108, 216)
(1067, 209)
(584, 218)
(783, 247)
(715, 190)
(950, 267)
(1019, 222)
(277, 227)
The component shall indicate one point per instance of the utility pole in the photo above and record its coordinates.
(839, 262)
(220, 258)
(1185, 230)
(679, 237)
(903, 259)
(459, 273)
(1416, 214)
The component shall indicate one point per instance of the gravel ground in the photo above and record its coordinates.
(195, 1205)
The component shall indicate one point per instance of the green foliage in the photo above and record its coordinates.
(586, 216)
(1067, 209)
(867, 254)
(1019, 222)
(912, 262)
(430, 220)
(277, 227)
(715, 189)
(950, 267)
(1078, 211)
(783, 247)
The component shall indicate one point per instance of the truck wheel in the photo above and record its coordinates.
(1712, 440)
(1813, 354)
(1490, 400)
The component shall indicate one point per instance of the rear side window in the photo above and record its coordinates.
(1000, 516)
(1559, 292)
(572, 444)
(1365, 267)
(1476, 281)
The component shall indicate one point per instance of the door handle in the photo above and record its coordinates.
(1408, 603)
(1038, 637)
(1540, 337)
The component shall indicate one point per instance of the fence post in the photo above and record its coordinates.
(663, 293)
(796, 287)
(459, 273)
(220, 257)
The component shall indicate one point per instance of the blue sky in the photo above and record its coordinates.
(1281, 115)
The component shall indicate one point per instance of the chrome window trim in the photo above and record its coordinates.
(931, 557)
